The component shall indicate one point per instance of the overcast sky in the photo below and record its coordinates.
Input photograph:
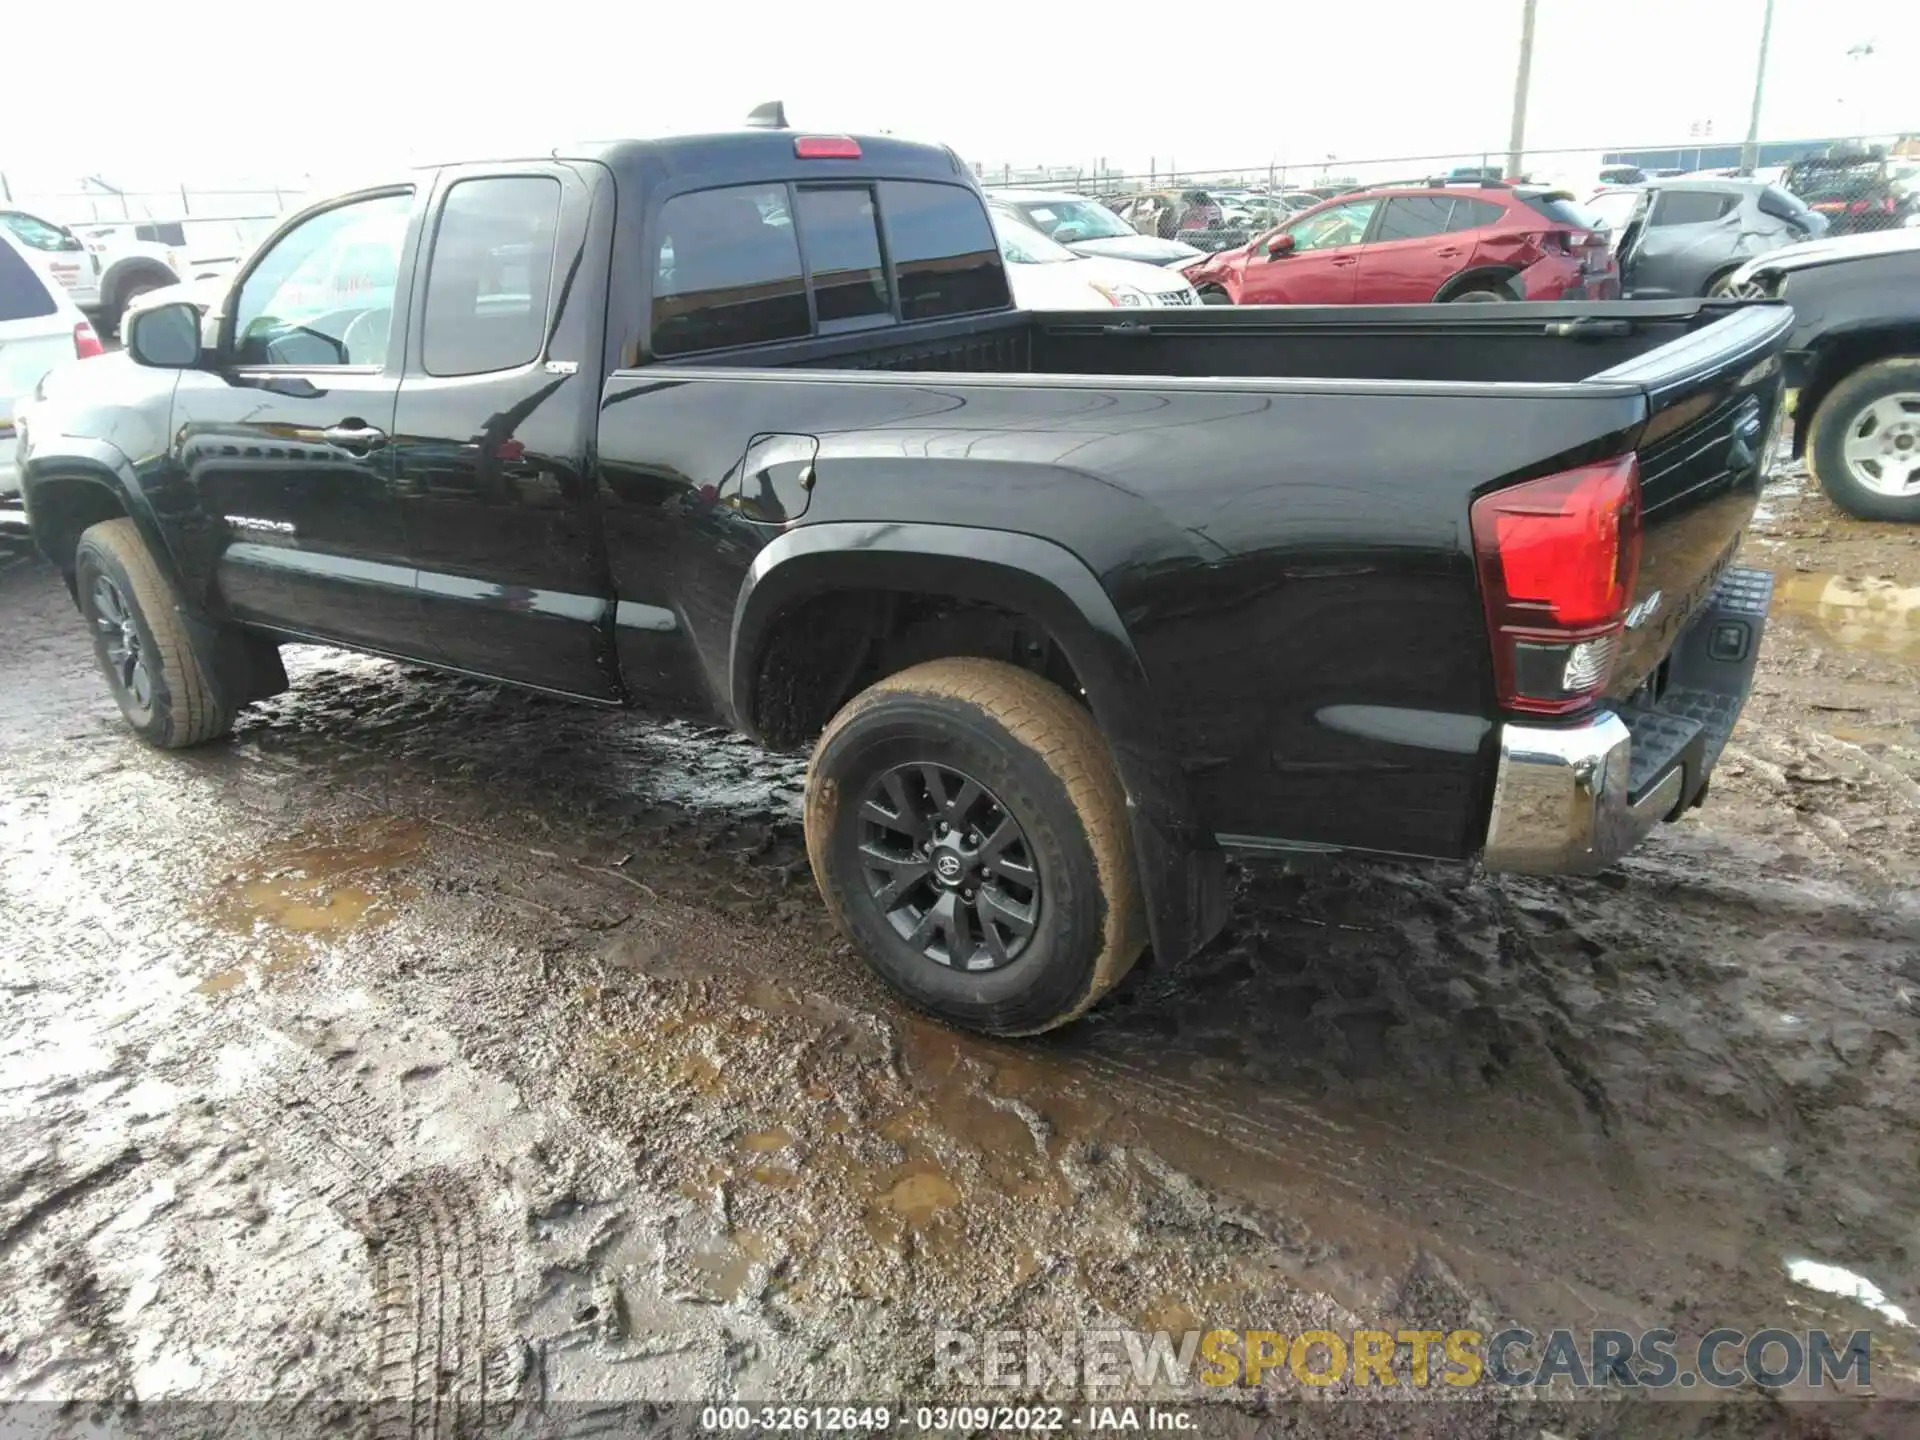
(221, 91)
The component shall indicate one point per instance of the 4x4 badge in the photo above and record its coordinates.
(1644, 611)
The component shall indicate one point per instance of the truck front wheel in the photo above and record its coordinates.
(158, 676)
(969, 833)
(1864, 444)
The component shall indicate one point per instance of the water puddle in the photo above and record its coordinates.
(726, 1267)
(1872, 614)
(1817, 1275)
(295, 893)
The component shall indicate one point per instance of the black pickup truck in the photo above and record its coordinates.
(1067, 605)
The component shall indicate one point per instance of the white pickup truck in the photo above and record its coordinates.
(138, 256)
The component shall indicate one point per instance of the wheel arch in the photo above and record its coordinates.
(129, 270)
(1838, 355)
(1182, 872)
(1477, 277)
(83, 483)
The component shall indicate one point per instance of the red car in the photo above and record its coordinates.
(1411, 246)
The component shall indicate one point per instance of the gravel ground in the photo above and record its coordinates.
(437, 1044)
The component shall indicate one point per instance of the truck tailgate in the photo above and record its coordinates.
(1717, 404)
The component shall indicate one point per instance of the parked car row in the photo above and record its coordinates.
(1475, 242)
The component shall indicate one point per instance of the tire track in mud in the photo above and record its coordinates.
(446, 1355)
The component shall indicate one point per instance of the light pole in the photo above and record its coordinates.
(1517, 137)
(1750, 152)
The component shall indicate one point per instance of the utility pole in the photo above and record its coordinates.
(1750, 152)
(1522, 81)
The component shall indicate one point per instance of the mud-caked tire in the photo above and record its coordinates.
(1031, 888)
(157, 674)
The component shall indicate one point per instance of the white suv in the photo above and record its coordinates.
(40, 327)
(71, 261)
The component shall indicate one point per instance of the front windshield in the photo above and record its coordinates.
(1023, 245)
(33, 232)
(1085, 218)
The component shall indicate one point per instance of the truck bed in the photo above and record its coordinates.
(1244, 484)
(1498, 344)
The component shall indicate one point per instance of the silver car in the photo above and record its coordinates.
(1688, 236)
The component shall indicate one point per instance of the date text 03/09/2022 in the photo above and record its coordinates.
(947, 1419)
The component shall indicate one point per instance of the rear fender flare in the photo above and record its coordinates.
(1181, 869)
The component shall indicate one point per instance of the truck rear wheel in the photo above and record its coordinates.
(1864, 443)
(969, 833)
(158, 676)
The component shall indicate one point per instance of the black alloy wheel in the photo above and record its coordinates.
(117, 637)
(948, 867)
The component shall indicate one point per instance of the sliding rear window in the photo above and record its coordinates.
(759, 264)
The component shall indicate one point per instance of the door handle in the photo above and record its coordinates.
(1450, 253)
(1346, 259)
(354, 436)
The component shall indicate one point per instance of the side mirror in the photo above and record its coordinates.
(1278, 245)
(165, 337)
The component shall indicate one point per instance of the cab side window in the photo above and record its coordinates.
(322, 296)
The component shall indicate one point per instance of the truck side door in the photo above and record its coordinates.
(494, 426)
(1324, 264)
(285, 445)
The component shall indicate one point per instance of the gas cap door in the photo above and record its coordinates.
(773, 481)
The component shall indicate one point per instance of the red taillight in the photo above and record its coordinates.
(1558, 560)
(826, 147)
(86, 344)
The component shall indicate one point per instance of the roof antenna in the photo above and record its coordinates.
(770, 116)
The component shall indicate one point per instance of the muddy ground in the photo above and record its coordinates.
(451, 1046)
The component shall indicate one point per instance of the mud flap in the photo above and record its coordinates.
(1705, 686)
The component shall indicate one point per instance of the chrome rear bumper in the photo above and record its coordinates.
(1560, 800)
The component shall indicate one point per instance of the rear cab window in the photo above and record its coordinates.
(23, 296)
(733, 268)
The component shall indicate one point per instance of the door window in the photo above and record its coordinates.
(1472, 214)
(727, 271)
(491, 275)
(323, 294)
(1690, 207)
(1342, 225)
(1414, 217)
